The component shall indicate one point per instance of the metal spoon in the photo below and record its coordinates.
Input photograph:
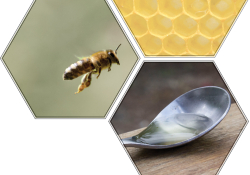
(185, 119)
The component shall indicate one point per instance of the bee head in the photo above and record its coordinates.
(113, 55)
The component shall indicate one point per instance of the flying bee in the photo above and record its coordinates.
(93, 64)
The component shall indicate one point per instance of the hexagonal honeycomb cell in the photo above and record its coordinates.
(146, 7)
(185, 25)
(151, 44)
(138, 23)
(170, 8)
(160, 25)
(174, 44)
(199, 45)
(222, 8)
(179, 27)
(196, 8)
(210, 26)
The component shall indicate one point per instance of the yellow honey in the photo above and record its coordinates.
(179, 27)
(185, 26)
(174, 44)
(170, 8)
(210, 26)
(152, 45)
(199, 45)
(196, 8)
(216, 43)
(159, 25)
(140, 26)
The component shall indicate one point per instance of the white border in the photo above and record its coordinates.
(30, 146)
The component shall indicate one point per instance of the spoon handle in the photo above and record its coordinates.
(128, 142)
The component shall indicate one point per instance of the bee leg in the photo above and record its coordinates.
(98, 68)
(110, 63)
(98, 71)
(85, 82)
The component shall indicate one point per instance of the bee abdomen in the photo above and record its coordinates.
(77, 69)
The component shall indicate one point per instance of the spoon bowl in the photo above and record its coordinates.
(185, 119)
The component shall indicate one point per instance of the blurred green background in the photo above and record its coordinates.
(157, 85)
(51, 37)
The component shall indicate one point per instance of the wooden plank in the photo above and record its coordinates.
(202, 156)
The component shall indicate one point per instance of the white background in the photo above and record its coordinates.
(70, 146)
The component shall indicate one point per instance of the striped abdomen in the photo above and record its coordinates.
(79, 68)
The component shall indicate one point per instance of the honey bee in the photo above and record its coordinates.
(93, 64)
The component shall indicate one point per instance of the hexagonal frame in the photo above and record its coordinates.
(26, 101)
(162, 55)
(152, 61)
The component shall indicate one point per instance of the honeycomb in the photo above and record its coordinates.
(179, 27)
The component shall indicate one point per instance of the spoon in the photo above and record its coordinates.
(185, 119)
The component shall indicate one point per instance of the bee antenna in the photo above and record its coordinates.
(117, 49)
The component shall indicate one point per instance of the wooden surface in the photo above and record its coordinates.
(202, 156)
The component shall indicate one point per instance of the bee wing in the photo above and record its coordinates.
(86, 51)
(80, 58)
